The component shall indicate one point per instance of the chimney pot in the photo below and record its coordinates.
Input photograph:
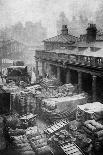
(64, 30)
(91, 33)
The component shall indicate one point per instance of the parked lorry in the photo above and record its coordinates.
(17, 74)
(18, 63)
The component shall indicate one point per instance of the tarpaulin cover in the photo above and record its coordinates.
(64, 103)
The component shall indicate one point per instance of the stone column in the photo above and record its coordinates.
(37, 71)
(94, 88)
(1, 64)
(79, 82)
(68, 76)
(58, 73)
(43, 70)
(48, 67)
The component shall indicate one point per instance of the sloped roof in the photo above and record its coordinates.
(62, 39)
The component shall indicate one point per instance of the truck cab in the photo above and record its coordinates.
(17, 74)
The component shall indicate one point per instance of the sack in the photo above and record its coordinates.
(35, 138)
(38, 145)
(99, 134)
(87, 130)
(20, 139)
(90, 127)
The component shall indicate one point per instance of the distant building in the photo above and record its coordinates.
(75, 60)
(11, 49)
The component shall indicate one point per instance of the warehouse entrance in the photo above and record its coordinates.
(87, 83)
(53, 70)
(99, 89)
(63, 75)
(74, 77)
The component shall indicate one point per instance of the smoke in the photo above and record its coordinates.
(99, 16)
(13, 11)
(83, 12)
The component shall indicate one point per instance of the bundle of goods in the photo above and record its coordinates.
(60, 137)
(60, 106)
(61, 91)
(56, 127)
(49, 104)
(22, 146)
(22, 84)
(50, 82)
(27, 102)
(39, 144)
(94, 128)
(48, 93)
(2, 139)
(31, 132)
(16, 132)
(38, 141)
(95, 131)
(11, 87)
(13, 121)
(89, 111)
(68, 88)
(34, 88)
(20, 101)
(29, 119)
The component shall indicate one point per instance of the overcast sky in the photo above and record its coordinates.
(12, 11)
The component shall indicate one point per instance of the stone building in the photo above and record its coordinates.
(11, 49)
(74, 60)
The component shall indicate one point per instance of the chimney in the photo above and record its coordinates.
(64, 30)
(91, 33)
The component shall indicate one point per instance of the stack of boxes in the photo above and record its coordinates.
(89, 111)
(90, 115)
(23, 102)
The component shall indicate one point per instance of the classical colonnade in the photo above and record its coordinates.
(68, 78)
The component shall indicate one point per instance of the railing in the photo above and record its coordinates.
(81, 60)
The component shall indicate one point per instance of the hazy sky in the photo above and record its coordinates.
(12, 11)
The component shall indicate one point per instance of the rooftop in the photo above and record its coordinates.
(63, 39)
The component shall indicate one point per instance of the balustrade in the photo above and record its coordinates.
(79, 59)
(99, 62)
(88, 61)
(85, 60)
(71, 58)
(92, 61)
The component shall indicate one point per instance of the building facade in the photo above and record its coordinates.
(11, 50)
(74, 60)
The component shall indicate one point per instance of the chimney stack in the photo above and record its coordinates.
(64, 30)
(91, 33)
